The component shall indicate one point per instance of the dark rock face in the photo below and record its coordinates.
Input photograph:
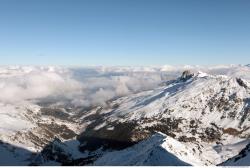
(241, 82)
(186, 75)
(186, 139)
(54, 112)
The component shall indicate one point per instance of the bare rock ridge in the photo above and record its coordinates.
(241, 82)
(187, 74)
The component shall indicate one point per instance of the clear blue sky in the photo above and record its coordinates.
(124, 32)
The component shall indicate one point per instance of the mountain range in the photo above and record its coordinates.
(196, 118)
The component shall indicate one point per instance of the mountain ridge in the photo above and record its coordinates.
(209, 114)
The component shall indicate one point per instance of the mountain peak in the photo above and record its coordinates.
(186, 75)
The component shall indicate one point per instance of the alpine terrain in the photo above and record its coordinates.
(200, 116)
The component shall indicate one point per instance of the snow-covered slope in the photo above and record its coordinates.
(208, 113)
(204, 118)
(184, 99)
(160, 149)
(157, 150)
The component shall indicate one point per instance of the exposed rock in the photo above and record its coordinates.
(186, 75)
(241, 82)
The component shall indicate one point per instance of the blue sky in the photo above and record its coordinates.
(124, 32)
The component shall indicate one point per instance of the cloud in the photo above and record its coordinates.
(91, 85)
(81, 87)
(36, 85)
(103, 87)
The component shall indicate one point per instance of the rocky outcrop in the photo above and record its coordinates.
(186, 75)
(241, 82)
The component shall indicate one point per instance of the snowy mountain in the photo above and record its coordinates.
(209, 113)
(199, 118)
(157, 150)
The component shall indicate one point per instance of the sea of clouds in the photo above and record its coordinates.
(86, 86)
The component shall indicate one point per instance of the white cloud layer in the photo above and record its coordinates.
(92, 85)
(81, 86)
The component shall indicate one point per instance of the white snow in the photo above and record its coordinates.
(13, 119)
(147, 153)
(100, 126)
